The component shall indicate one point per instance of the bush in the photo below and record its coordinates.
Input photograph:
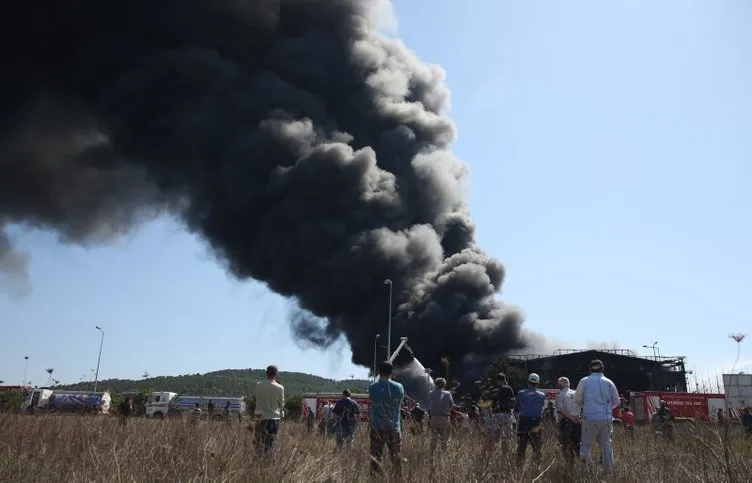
(89, 448)
(10, 401)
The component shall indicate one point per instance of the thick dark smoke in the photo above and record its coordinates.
(309, 152)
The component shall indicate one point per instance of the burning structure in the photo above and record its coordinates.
(628, 371)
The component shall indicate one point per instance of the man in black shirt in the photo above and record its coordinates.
(125, 410)
(345, 415)
(501, 412)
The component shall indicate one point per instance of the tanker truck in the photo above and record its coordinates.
(48, 400)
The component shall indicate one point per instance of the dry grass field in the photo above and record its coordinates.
(97, 448)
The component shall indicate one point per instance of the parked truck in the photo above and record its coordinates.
(684, 405)
(50, 400)
(163, 404)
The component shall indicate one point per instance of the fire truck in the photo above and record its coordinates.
(697, 406)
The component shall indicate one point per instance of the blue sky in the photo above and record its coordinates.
(609, 146)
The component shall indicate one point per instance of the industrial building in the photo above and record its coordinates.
(628, 371)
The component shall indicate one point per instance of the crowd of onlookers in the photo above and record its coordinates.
(582, 416)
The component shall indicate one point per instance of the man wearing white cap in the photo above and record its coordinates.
(529, 407)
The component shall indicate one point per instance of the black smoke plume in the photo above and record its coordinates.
(310, 153)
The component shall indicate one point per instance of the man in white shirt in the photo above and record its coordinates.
(270, 403)
(597, 396)
(440, 404)
(569, 421)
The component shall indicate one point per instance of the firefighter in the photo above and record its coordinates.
(662, 421)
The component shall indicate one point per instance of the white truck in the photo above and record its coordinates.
(162, 404)
(66, 401)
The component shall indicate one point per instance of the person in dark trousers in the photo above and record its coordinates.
(125, 410)
(570, 427)
(226, 412)
(529, 408)
(502, 420)
(210, 409)
(386, 398)
(417, 414)
(310, 419)
(747, 422)
(663, 421)
(270, 403)
(346, 413)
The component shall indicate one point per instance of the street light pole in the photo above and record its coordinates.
(655, 344)
(26, 370)
(99, 358)
(389, 329)
(376, 339)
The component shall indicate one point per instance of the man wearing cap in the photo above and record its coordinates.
(569, 420)
(529, 408)
(597, 396)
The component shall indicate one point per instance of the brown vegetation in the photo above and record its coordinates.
(97, 448)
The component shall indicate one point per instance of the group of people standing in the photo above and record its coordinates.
(585, 416)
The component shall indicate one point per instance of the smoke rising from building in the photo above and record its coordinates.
(309, 152)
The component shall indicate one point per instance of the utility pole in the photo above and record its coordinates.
(26, 370)
(99, 358)
(375, 340)
(389, 327)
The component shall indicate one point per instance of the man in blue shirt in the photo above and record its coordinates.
(529, 408)
(386, 401)
(597, 396)
(346, 412)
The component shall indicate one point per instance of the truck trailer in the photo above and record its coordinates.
(50, 400)
(162, 404)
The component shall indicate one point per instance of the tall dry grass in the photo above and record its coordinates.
(77, 448)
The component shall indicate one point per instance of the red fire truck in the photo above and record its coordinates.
(697, 406)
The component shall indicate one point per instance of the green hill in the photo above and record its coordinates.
(227, 382)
